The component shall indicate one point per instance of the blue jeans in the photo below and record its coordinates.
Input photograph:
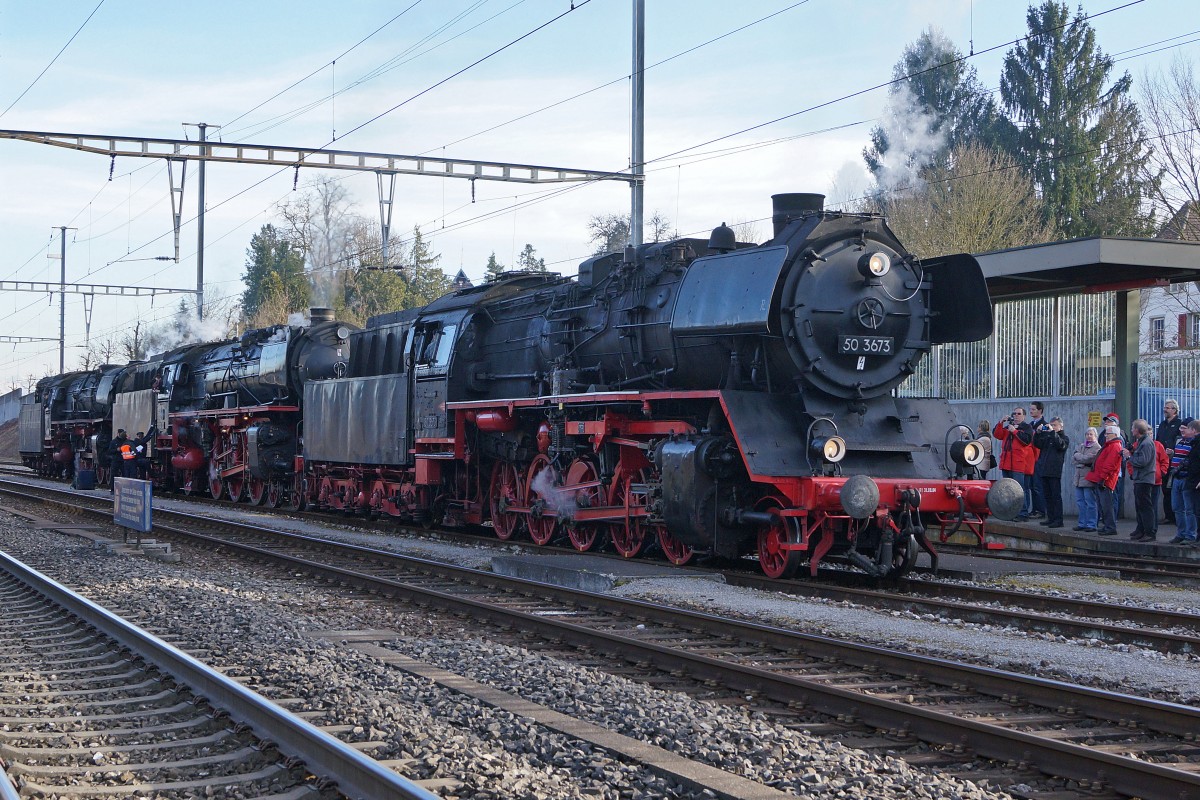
(1037, 493)
(1025, 481)
(1089, 509)
(1183, 504)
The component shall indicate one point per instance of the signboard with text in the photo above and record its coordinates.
(132, 503)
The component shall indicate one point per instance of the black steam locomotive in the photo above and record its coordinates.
(226, 413)
(698, 397)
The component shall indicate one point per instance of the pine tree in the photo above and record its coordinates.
(426, 281)
(527, 260)
(271, 254)
(1082, 142)
(494, 268)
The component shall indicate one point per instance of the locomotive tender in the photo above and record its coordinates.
(711, 398)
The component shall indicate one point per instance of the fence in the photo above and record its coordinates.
(1041, 347)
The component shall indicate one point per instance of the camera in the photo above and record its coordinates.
(1045, 426)
(1009, 420)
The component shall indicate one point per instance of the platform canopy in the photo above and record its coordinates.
(1092, 266)
(1097, 264)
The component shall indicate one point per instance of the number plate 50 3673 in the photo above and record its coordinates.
(866, 345)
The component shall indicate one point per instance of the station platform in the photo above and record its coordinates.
(1031, 535)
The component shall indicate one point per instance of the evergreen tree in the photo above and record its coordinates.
(527, 260)
(494, 268)
(1082, 142)
(270, 254)
(426, 281)
(941, 106)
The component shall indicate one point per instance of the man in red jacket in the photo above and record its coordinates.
(1104, 474)
(1017, 455)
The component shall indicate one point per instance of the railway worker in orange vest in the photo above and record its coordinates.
(1017, 455)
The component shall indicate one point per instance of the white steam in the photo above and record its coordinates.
(912, 141)
(558, 500)
(187, 330)
(296, 319)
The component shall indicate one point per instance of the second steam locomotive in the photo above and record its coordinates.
(698, 397)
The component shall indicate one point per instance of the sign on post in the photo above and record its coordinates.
(132, 503)
(1094, 419)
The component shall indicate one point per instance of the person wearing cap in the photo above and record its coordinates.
(115, 460)
(1111, 420)
(1142, 458)
(1052, 443)
(1104, 474)
(1185, 513)
(1168, 433)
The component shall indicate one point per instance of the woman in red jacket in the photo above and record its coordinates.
(1017, 454)
(1104, 474)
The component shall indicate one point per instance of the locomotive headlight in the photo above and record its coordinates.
(967, 454)
(831, 449)
(875, 265)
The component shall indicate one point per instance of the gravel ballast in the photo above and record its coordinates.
(257, 626)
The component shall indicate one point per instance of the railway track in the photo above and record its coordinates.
(1130, 567)
(1161, 630)
(91, 706)
(1102, 742)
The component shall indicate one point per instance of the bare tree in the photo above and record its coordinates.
(610, 232)
(1170, 103)
(972, 201)
(746, 231)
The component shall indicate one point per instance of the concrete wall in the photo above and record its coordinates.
(10, 406)
(1074, 412)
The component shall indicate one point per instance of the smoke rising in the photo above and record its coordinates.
(558, 500)
(913, 140)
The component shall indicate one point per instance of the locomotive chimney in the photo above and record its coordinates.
(787, 207)
(320, 315)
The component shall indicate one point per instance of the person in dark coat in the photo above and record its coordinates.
(1037, 421)
(1168, 433)
(141, 455)
(1192, 469)
(1052, 443)
(1142, 460)
(116, 459)
(1185, 515)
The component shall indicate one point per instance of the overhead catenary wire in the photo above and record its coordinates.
(716, 155)
(53, 60)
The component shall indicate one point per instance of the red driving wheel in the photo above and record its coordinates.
(676, 551)
(629, 537)
(504, 493)
(583, 536)
(773, 559)
(540, 496)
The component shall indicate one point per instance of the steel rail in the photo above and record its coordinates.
(1099, 626)
(1129, 775)
(1136, 566)
(356, 775)
(1095, 628)
(7, 790)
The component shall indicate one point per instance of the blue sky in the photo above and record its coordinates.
(142, 69)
